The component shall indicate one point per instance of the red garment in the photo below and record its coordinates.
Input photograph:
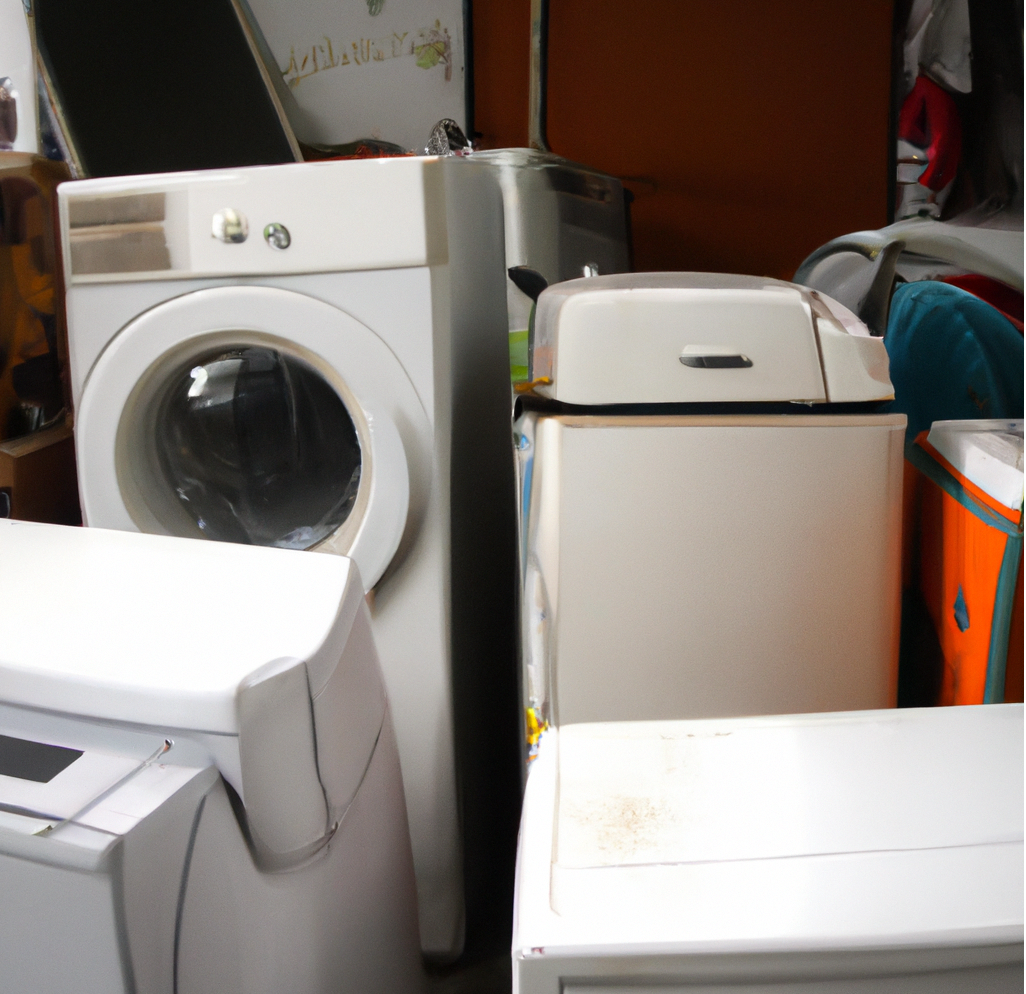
(929, 119)
(998, 295)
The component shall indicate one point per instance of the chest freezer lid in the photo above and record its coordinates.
(988, 453)
(657, 338)
(158, 630)
(793, 785)
(858, 803)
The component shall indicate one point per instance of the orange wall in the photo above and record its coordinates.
(750, 131)
(502, 41)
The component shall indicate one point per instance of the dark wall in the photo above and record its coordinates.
(750, 131)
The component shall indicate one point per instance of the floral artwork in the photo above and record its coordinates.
(436, 47)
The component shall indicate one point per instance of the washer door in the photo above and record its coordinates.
(254, 415)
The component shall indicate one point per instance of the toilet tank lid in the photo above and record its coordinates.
(156, 630)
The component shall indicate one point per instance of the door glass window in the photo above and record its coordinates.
(259, 448)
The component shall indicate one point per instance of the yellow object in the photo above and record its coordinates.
(28, 274)
(536, 725)
(527, 387)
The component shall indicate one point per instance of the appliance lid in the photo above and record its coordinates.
(716, 790)
(687, 866)
(665, 338)
(161, 631)
(988, 453)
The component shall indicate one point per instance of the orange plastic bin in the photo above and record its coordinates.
(970, 555)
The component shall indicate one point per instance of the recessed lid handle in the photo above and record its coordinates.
(716, 361)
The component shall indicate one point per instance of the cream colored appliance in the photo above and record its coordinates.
(710, 505)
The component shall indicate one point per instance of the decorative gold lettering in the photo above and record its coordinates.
(430, 47)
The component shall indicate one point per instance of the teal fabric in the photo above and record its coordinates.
(1004, 603)
(953, 357)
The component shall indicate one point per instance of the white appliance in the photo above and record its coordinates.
(711, 509)
(18, 127)
(314, 356)
(199, 784)
(877, 851)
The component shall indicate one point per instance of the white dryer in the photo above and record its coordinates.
(313, 356)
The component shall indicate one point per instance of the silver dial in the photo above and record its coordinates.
(229, 226)
(277, 236)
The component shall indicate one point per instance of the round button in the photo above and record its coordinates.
(277, 236)
(229, 226)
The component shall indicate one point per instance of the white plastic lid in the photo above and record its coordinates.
(158, 630)
(791, 785)
(657, 338)
(851, 830)
(988, 453)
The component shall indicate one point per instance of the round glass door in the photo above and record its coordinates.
(257, 447)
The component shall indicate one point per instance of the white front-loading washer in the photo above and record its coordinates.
(313, 356)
